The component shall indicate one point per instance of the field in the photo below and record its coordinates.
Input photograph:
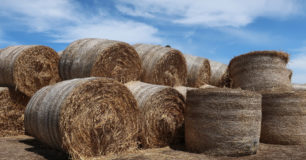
(27, 148)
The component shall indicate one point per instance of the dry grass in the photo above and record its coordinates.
(162, 65)
(12, 106)
(261, 71)
(86, 117)
(198, 71)
(28, 68)
(218, 73)
(162, 114)
(222, 121)
(100, 58)
(284, 116)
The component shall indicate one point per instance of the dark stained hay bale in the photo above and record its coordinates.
(261, 71)
(12, 106)
(100, 58)
(28, 68)
(221, 121)
(218, 73)
(86, 117)
(299, 87)
(284, 117)
(162, 114)
(162, 65)
(198, 71)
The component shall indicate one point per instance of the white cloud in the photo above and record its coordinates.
(298, 65)
(216, 13)
(66, 21)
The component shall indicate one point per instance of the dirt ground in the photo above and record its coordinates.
(27, 148)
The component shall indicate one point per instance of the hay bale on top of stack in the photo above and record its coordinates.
(100, 58)
(220, 121)
(162, 65)
(162, 114)
(219, 75)
(284, 117)
(86, 117)
(12, 106)
(261, 71)
(198, 71)
(28, 68)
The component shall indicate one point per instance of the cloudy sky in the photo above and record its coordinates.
(214, 29)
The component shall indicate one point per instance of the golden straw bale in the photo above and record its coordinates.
(261, 71)
(162, 65)
(100, 58)
(198, 71)
(86, 117)
(28, 67)
(284, 117)
(222, 122)
(162, 114)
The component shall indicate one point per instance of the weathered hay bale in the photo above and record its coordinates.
(221, 121)
(162, 65)
(85, 117)
(100, 58)
(284, 117)
(28, 67)
(218, 73)
(162, 114)
(198, 71)
(299, 87)
(12, 106)
(261, 71)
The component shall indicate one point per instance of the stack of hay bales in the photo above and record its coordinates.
(162, 65)
(86, 117)
(28, 68)
(261, 71)
(284, 117)
(12, 106)
(100, 58)
(162, 114)
(198, 71)
(218, 74)
(222, 121)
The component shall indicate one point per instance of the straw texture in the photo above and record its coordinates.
(100, 58)
(198, 71)
(284, 117)
(218, 73)
(86, 117)
(261, 71)
(162, 114)
(162, 65)
(12, 106)
(222, 121)
(28, 68)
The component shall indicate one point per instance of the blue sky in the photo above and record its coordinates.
(214, 29)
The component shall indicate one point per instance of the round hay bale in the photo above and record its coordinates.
(12, 106)
(299, 87)
(261, 71)
(85, 117)
(28, 68)
(284, 117)
(162, 65)
(60, 53)
(100, 58)
(222, 122)
(198, 71)
(162, 114)
(218, 73)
